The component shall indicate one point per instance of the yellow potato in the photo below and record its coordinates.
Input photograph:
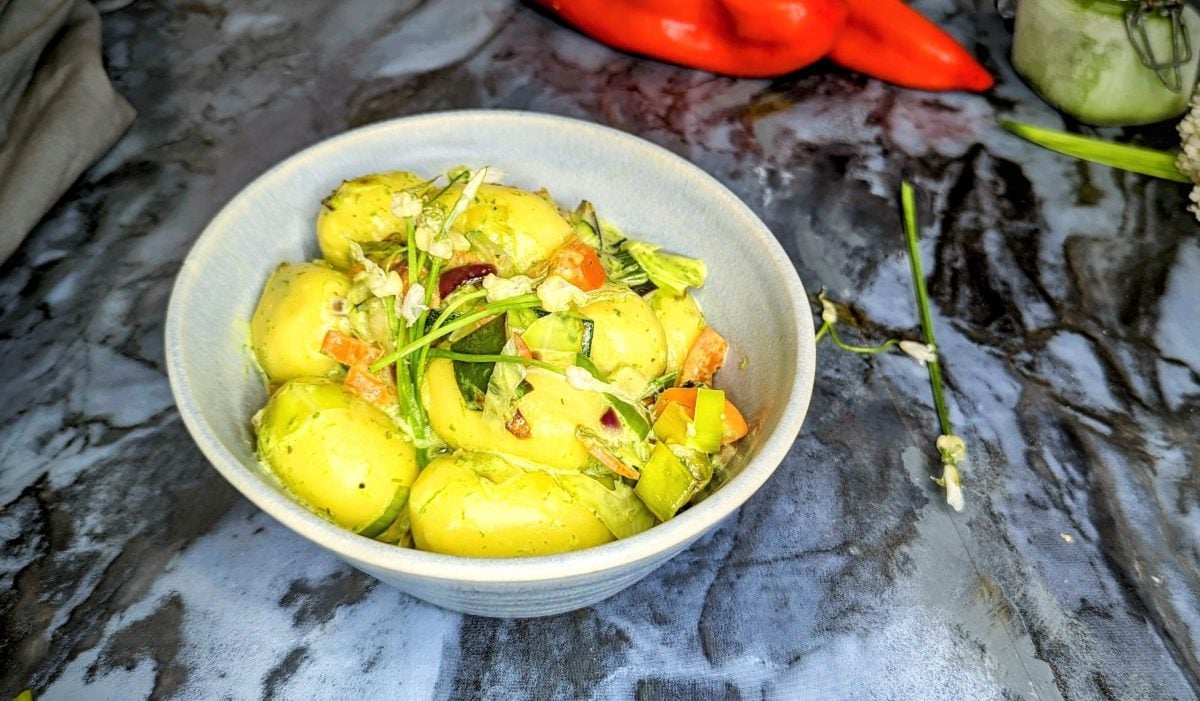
(553, 410)
(521, 226)
(291, 320)
(682, 323)
(360, 210)
(628, 344)
(481, 505)
(338, 454)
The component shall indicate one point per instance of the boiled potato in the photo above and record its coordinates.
(292, 318)
(338, 454)
(628, 344)
(481, 505)
(360, 211)
(522, 227)
(682, 323)
(553, 410)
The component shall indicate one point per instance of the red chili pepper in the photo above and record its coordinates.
(891, 41)
(733, 37)
(882, 38)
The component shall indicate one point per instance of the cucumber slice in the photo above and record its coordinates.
(392, 512)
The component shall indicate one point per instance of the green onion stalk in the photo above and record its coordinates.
(951, 447)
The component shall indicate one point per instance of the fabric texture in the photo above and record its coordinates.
(58, 109)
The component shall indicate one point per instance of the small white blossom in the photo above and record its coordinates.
(381, 283)
(558, 295)
(829, 313)
(954, 451)
(921, 352)
(405, 204)
(1188, 161)
(414, 304)
(499, 288)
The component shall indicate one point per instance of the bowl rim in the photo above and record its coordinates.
(664, 538)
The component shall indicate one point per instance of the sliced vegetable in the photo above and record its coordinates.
(709, 420)
(673, 424)
(735, 423)
(518, 426)
(579, 264)
(349, 350)
(658, 385)
(473, 378)
(370, 386)
(670, 272)
(706, 356)
(631, 415)
(601, 452)
(612, 501)
(666, 483)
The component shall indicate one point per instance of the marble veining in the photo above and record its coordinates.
(1065, 298)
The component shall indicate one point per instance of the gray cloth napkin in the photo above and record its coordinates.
(58, 110)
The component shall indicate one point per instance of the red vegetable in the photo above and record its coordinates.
(609, 419)
(579, 264)
(734, 37)
(706, 356)
(455, 278)
(882, 38)
(891, 41)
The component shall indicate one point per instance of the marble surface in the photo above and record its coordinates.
(1065, 297)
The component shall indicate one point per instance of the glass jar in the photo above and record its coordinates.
(1109, 62)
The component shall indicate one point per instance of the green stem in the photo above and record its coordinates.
(909, 206)
(482, 358)
(861, 350)
(822, 331)
(528, 301)
(423, 360)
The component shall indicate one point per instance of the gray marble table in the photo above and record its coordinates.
(1065, 298)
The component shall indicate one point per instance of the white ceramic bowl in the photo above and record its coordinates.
(753, 297)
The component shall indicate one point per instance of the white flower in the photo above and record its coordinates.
(414, 303)
(405, 204)
(921, 352)
(952, 448)
(558, 295)
(1188, 161)
(954, 451)
(828, 311)
(381, 283)
(499, 288)
(435, 238)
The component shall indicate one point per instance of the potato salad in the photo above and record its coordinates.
(471, 369)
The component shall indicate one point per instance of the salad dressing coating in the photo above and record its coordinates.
(472, 370)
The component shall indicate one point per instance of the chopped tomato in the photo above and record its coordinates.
(370, 386)
(706, 356)
(349, 350)
(578, 263)
(735, 423)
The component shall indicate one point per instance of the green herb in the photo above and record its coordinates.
(1136, 159)
(473, 377)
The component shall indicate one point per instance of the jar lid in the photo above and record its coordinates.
(1165, 64)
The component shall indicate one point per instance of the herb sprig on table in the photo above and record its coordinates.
(951, 448)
